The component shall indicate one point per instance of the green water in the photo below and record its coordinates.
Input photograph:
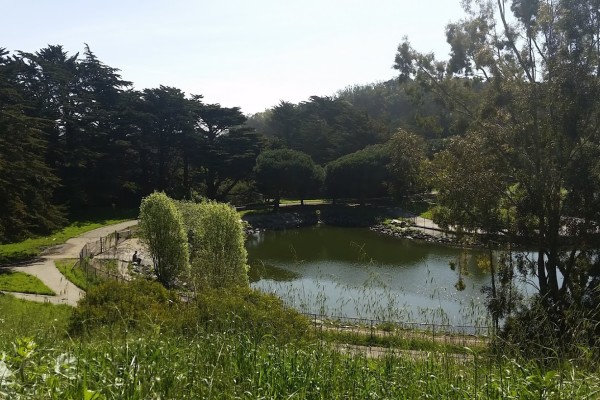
(354, 272)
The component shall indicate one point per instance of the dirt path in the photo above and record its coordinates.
(46, 271)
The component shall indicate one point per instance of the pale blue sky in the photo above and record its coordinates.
(250, 54)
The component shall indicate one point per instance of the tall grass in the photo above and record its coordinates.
(225, 355)
(228, 366)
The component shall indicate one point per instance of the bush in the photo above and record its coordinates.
(216, 243)
(147, 306)
(244, 310)
(162, 230)
(124, 306)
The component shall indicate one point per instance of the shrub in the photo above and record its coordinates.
(245, 310)
(162, 230)
(216, 243)
(123, 306)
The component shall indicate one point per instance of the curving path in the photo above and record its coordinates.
(46, 271)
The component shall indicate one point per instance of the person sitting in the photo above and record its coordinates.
(136, 259)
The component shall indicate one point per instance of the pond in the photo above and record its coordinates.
(357, 273)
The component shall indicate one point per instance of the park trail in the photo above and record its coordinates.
(46, 271)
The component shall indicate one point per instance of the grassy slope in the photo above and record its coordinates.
(12, 281)
(30, 248)
(41, 361)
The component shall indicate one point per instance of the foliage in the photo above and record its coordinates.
(403, 104)
(216, 245)
(246, 311)
(359, 175)
(324, 128)
(285, 172)
(28, 183)
(407, 153)
(528, 167)
(162, 231)
(14, 281)
(228, 149)
(121, 307)
(537, 333)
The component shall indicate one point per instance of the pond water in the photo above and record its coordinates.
(354, 272)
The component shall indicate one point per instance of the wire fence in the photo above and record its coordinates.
(110, 267)
(380, 331)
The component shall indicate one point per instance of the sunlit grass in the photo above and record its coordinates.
(40, 361)
(75, 274)
(28, 318)
(30, 248)
(225, 365)
(15, 281)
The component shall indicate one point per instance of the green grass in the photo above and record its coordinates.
(227, 366)
(81, 223)
(19, 318)
(14, 281)
(39, 360)
(75, 274)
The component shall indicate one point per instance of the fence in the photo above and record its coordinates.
(107, 268)
(377, 331)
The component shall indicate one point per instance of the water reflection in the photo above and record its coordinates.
(359, 273)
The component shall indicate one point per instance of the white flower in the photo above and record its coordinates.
(65, 365)
(5, 373)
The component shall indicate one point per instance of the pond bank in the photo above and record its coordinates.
(402, 225)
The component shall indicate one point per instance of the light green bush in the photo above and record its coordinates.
(162, 231)
(216, 242)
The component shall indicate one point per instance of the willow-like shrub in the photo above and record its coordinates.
(162, 231)
(218, 257)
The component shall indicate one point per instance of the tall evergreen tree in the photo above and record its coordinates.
(28, 183)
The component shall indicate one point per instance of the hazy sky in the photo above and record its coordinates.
(246, 53)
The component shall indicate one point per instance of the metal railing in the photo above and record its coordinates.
(379, 330)
(103, 267)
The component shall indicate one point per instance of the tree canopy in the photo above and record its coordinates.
(285, 172)
(534, 138)
(359, 175)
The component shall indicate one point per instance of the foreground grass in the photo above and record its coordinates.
(14, 281)
(81, 223)
(20, 318)
(227, 366)
(39, 360)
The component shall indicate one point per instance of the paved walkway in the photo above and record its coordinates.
(46, 271)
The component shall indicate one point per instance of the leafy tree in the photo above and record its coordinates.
(288, 172)
(81, 100)
(164, 118)
(162, 231)
(216, 243)
(537, 121)
(407, 153)
(360, 175)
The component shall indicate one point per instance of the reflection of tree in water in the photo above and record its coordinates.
(260, 270)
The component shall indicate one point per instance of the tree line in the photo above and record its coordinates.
(74, 134)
